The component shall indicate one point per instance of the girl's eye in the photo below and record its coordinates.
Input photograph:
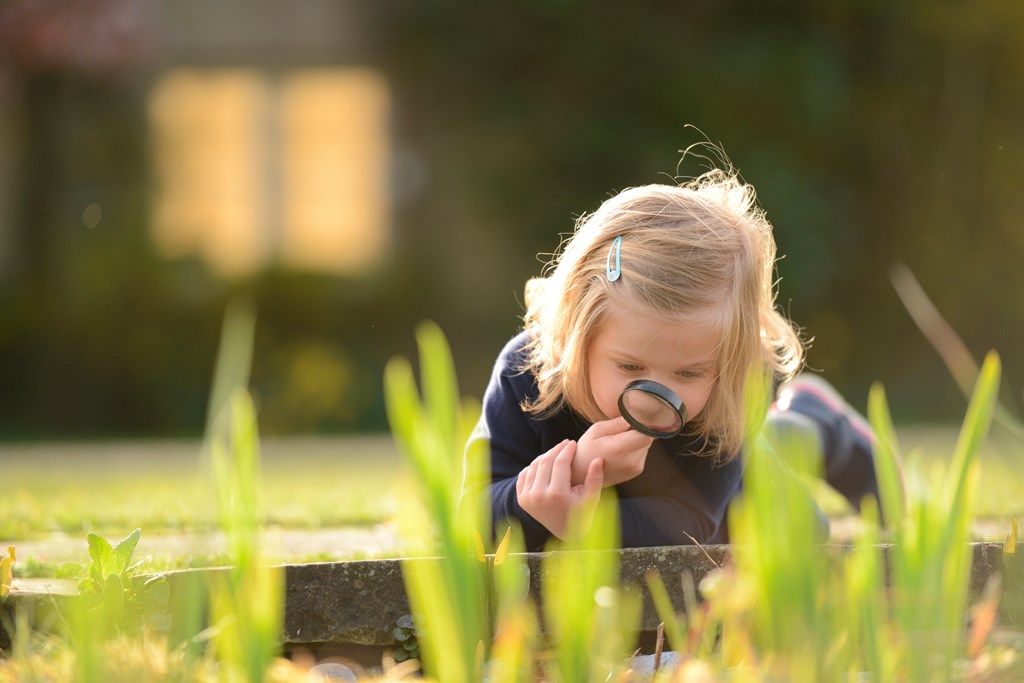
(629, 367)
(691, 374)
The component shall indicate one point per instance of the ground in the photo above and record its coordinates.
(325, 498)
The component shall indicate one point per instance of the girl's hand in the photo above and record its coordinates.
(543, 489)
(623, 449)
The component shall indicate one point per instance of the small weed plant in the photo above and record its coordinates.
(114, 594)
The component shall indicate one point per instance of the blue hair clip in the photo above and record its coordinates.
(616, 248)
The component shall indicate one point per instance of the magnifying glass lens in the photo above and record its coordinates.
(651, 411)
(652, 408)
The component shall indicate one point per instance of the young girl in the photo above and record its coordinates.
(666, 283)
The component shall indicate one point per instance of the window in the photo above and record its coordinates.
(253, 169)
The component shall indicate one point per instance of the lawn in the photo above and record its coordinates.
(325, 498)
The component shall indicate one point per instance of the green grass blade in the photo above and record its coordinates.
(440, 387)
(582, 609)
(976, 425)
(674, 626)
(888, 466)
(863, 598)
(448, 596)
(234, 357)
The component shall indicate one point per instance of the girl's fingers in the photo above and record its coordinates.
(543, 465)
(528, 476)
(595, 478)
(616, 425)
(561, 470)
(627, 441)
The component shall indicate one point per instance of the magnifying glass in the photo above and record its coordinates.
(653, 409)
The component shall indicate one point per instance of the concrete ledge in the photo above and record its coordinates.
(38, 600)
(360, 602)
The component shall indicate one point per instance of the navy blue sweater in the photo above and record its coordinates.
(678, 495)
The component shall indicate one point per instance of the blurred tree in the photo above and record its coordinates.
(875, 132)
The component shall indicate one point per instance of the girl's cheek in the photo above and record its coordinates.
(610, 407)
(698, 398)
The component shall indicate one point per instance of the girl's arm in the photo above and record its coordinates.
(677, 500)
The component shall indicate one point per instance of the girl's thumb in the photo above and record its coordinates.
(595, 478)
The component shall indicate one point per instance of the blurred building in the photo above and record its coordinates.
(151, 155)
(267, 134)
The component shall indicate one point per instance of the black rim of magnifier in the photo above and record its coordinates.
(670, 398)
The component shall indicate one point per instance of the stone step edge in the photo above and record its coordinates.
(360, 601)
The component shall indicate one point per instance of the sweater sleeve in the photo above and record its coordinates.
(677, 500)
(514, 443)
(676, 497)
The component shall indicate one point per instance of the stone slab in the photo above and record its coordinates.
(38, 600)
(360, 602)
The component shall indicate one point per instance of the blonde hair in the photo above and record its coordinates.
(703, 246)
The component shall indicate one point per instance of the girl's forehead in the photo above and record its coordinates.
(642, 333)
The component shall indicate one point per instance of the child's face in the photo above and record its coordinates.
(632, 344)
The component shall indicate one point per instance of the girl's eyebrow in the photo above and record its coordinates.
(626, 356)
(699, 365)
